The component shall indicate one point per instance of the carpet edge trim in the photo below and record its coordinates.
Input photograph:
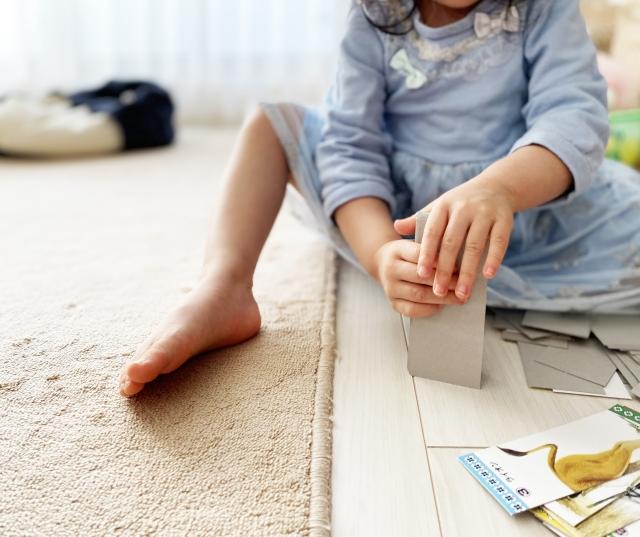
(322, 424)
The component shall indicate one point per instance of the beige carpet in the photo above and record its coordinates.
(235, 443)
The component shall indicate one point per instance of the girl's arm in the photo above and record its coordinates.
(542, 177)
(566, 110)
(353, 154)
(367, 226)
(567, 130)
(353, 164)
(481, 210)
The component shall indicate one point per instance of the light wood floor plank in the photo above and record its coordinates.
(381, 481)
(466, 509)
(504, 409)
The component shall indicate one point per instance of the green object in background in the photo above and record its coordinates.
(624, 141)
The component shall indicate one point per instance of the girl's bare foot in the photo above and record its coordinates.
(217, 313)
(221, 310)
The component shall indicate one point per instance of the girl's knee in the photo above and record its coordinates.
(258, 121)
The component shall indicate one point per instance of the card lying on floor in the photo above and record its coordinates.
(583, 359)
(614, 390)
(547, 466)
(514, 335)
(597, 511)
(620, 332)
(564, 323)
(627, 373)
(629, 362)
(448, 347)
(539, 375)
(506, 319)
(617, 517)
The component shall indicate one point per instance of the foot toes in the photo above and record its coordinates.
(211, 318)
(129, 388)
(159, 358)
(148, 367)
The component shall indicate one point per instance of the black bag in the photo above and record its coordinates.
(143, 110)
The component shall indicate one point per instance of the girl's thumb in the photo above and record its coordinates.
(405, 226)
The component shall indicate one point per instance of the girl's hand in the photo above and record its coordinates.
(409, 294)
(470, 215)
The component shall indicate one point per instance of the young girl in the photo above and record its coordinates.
(491, 115)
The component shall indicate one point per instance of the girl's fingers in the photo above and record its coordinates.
(405, 271)
(452, 241)
(405, 226)
(431, 238)
(498, 244)
(415, 311)
(421, 294)
(474, 247)
(408, 250)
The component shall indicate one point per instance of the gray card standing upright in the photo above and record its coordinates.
(448, 347)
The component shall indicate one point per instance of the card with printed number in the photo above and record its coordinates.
(560, 462)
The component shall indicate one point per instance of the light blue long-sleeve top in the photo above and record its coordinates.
(471, 91)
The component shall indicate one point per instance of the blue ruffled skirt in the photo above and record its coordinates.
(581, 253)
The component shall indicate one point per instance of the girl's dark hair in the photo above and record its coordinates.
(390, 16)
(394, 17)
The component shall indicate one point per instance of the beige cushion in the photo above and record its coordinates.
(51, 127)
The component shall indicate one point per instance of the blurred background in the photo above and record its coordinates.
(217, 58)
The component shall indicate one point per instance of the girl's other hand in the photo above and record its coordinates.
(468, 216)
(412, 295)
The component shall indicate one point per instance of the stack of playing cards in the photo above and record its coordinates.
(580, 480)
(576, 353)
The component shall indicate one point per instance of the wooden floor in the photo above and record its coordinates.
(396, 438)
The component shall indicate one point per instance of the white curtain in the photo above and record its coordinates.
(217, 57)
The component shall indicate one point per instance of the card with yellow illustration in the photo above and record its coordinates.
(611, 508)
(547, 466)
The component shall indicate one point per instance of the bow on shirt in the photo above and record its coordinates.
(414, 78)
(508, 20)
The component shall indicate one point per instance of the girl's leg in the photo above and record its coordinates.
(221, 309)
